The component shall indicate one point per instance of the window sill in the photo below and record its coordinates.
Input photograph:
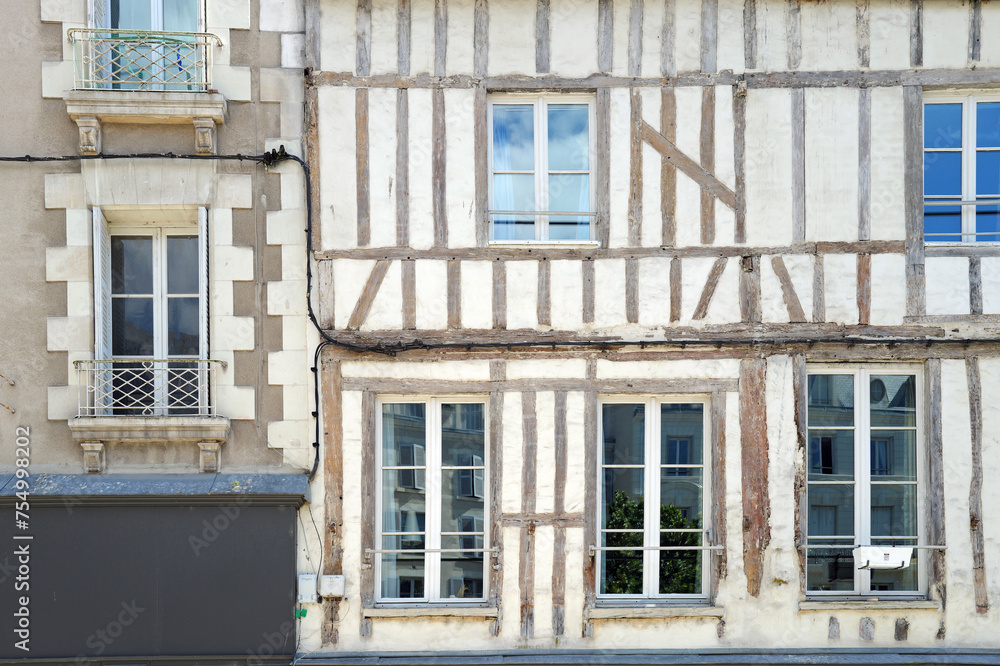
(867, 604)
(652, 612)
(546, 245)
(488, 612)
(185, 428)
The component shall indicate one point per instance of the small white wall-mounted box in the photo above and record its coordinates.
(331, 586)
(882, 557)
(307, 588)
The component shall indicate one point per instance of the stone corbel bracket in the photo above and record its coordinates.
(90, 109)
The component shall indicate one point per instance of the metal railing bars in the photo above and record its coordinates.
(144, 387)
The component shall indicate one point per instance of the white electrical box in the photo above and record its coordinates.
(307, 588)
(882, 557)
(331, 586)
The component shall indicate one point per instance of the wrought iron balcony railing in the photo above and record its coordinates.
(109, 59)
(147, 387)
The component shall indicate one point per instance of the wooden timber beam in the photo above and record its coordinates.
(688, 166)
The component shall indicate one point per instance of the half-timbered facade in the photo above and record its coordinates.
(657, 325)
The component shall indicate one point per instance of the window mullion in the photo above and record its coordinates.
(862, 416)
(969, 169)
(651, 568)
(433, 499)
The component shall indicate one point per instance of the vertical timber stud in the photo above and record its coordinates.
(324, 276)
(819, 290)
(750, 288)
(498, 374)
(800, 388)
(361, 158)
(709, 36)
(975, 29)
(719, 481)
(402, 167)
(333, 482)
(668, 174)
(935, 441)
(798, 165)
(364, 39)
(975, 285)
(753, 435)
(454, 293)
(976, 485)
(403, 13)
(602, 167)
(590, 446)
(499, 294)
(864, 289)
(408, 274)
(368, 486)
(440, 36)
(481, 40)
(864, 164)
(668, 62)
(481, 141)
(529, 474)
(675, 289)
(864, 31)
(559, 506)
(605, 35)
(635, 166)
(542, 37)
(587, 268)
(632, 290)
(312, 155)
(438, 169)
(793, 32)
(913, 187)
(543, 309)
(635, 39)
(707, 153)
(740, 160)
(916, 33)
(750, 34)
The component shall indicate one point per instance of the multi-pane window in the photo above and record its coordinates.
(541, 185)
(863, 481)
(653, 506)
(432, 513)
(962, 169)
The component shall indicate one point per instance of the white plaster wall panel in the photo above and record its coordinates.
(654, 291)
(769, 167)
(293, 47)
(57, 78)
(840, 272)
(512, 37)
(831, 182)
(725, 305)
(293, 262)
(625, 635)
(989, 371)
(946, 33)
(285, 367)
(510, 623)
(947, 285)
(236, 333)
(651, 62)
(421, 145)
(829, 35)
(725, 224)
(79, 298)
(888, 213)
(384, 37)
(733, 588)
(432, 294)
(236, 402)
(338, 37)
(772, 304)
(729, 53)
(522, 294)
(651, 230)
(683, 369)
(232, 263)
(69, 333)
(68, 263)
(609, 292)
(339, 218)
(461, 32)
(562, 368)
(989, 53)
(725, 139)
(545, 461)
(801, 269)
(620, 36)
(286, 297)
(772, 31)
(387, 308)
(65, 190)
(472, 371)
(574, 599)
(888, 303)
(688, 207)
(573, 45)
(694, 275)
(460, 160)
(990, 269)
(956, 471)
(382, 165)
(544, 542)
(687, 38)
(620, 173)
(566, 288)
(889, 22)
(352, 506)
(422, 38)
(232, 82)
(349, 277)
(576, 457)
(513, 457)
(282, 16)
(477, 294)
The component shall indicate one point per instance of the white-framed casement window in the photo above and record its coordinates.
(865, 477)
(541, 168)
(654, 508)
(151, 317)
(159, 15)
(962, 168)
(432, 499)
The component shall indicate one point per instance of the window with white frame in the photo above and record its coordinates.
(151, 318)
(541, 162)
(962, 168)
(654, 509)
(864, 477)
(433, 512)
